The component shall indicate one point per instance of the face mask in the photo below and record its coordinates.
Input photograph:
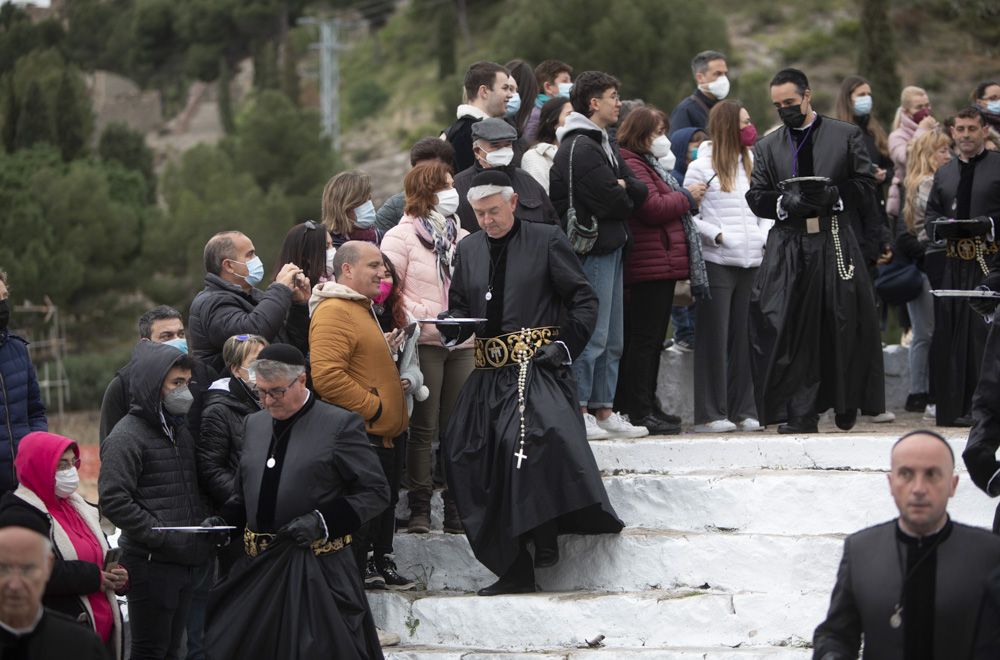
(4, 314)
(668, 162)
(67, 481)
(863, 105)
(514, 104)
(500, 157)
(384, 289)
(792, 116)
(365, 215)
(993, 107)
(719, 88)
(255, 271)
(748, 135)
(694, 154)
(330, 253)
(180, 344)
(447, 202)
(565, 89)
(178, 401)
(660, 147)
(920, 115)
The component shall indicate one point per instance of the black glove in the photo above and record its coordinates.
(450, 331)
(305, 529)
(823, 196)
(984, 306)
(217, 538)
(794, 203)
(550, 356)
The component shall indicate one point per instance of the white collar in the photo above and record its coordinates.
(812, 120)
(20, 632)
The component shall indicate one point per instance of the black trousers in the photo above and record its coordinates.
(376, 535)
(647, 317)
(159, 598)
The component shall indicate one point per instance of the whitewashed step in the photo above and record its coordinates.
(791, 502)
(638, 560)
(690, 653)
(550, 621)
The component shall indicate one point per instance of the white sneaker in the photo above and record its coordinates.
(930, 412)
(594, 432)
(883, 417)
(718, 426)
(750, 425)
(618, 426)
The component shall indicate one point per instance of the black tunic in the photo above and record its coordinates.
(543, 285)
(288, 602)
(961, 190)
(814, 337)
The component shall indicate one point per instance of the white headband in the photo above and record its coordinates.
(477, 193)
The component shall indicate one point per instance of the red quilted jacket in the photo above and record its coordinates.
(659, 249)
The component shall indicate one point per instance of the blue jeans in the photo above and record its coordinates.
(683, 320)
(596, 369)
(921, 310)
(204, 580)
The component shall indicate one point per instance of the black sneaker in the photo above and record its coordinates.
(916, 402)
(390, 578)
(373, 578)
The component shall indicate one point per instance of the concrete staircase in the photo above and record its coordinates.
(731, 550)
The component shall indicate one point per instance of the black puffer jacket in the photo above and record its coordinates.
(596, 193)
(227, 404)
(148, 476)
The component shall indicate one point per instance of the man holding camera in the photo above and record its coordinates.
(814, 334)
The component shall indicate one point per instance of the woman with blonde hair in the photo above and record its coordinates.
(913, 119)
(348, 210)
(927, 154)
(733, 241)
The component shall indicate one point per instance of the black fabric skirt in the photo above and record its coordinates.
(811, 329)
(559, 480)
(957, 344)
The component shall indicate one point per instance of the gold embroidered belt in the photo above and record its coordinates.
(255, 543)
(502, 351)
(969, 249)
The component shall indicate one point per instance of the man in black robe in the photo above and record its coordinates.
(966, 188)
(307, 480)
(814, 332)
(914, 588)
(515, 450)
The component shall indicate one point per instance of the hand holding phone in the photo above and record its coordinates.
(112, 558)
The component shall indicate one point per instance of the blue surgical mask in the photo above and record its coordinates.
(514, 104)
(255, 271)
(564, 89)
(365, 215)
(863, 105)
(993, 107)
(180, 343)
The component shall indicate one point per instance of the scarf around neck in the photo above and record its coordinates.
(696, 262)
(441, 234)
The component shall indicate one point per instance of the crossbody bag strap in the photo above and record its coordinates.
(572, 149)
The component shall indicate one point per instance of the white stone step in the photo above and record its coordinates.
(550, 621)
(675, 653)
(638, 560)
(791, 502)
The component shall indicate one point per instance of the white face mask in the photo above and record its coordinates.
(500, 157)
(330, 253)
(660, 147)
(447, 202)
(67, 481)
(719, 88)
(565, 89)
(668, 162)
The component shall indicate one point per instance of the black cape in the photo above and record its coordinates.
(980, 453)
(288, 602)
(810, 330)
(498, 503)
(959, 332)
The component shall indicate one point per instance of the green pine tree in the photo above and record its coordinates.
(877, 55)
(70, 118)
(33, 124)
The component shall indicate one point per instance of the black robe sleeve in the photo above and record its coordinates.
(762, 197)
(858, 192)
(984, 438)
(839, 636)
(458, 304)
(576, 293)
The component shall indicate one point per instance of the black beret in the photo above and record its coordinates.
(284, 353)
(491, 178)
(24, 516)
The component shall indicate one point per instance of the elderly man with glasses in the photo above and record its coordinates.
(307, 482)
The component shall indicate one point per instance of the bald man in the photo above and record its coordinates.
(28, 630)
(912, 587)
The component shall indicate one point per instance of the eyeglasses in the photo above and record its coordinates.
(26, 571)
(276, 393)
(65, 465)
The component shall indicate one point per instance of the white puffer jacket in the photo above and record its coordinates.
(727, 213)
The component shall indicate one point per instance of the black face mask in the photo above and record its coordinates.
(792, 116)
(4, 314)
